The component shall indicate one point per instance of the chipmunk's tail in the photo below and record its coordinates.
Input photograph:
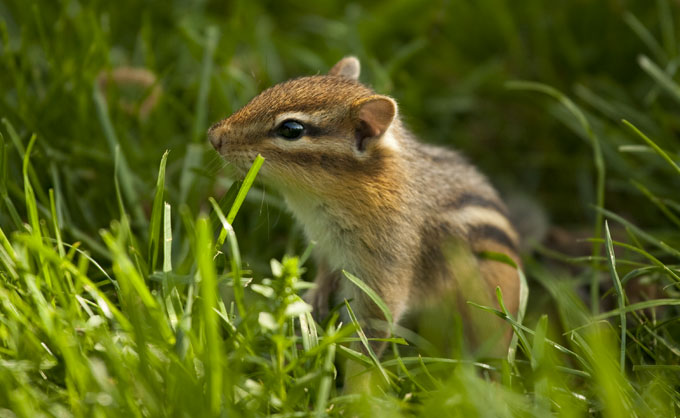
(530, 220)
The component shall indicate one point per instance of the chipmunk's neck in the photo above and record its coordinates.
(350, 218)
(332, 227)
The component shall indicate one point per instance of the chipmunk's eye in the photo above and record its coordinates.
(290, 129)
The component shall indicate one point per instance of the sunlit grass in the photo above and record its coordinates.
(136, 281)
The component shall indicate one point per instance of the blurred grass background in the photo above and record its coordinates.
(446, 62)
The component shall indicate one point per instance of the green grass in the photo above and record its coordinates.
(140, 282)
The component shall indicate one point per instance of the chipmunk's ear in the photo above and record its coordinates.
(347, 67)
(372, 117)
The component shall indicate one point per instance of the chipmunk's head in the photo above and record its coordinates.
(311, 130)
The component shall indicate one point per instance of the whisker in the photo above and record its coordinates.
(215, 165)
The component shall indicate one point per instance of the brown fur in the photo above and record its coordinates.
(380, 204)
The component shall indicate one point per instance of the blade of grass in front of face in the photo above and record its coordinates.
(225, 202)
(243, 191)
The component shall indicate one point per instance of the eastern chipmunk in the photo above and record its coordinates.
(378, 203)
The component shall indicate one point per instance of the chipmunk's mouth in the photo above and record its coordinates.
(215, 136)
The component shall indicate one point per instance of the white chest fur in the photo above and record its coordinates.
(336, 237)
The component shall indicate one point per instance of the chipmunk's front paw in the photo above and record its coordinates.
(318, 299)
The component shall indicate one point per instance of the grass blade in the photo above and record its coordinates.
(167, 239)
(372, 295)
(124, 171)
(240, 197)
(659, 203)
(598, 161)
(645, 36)
(55, 224)
(14, 215)
(366, 343)
(639, 306)
(640, 233)
(211, 38)
(35, 180)
(228, 232)
(660, 77)
(652, 144)
(194, 155)
(621, 296)
(127, 274)
(667, 27)
(327, 379)
(243, 191)
(31, 204)
(206, 268)
(156, 215)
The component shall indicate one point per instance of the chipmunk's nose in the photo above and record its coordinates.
(214, 136)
